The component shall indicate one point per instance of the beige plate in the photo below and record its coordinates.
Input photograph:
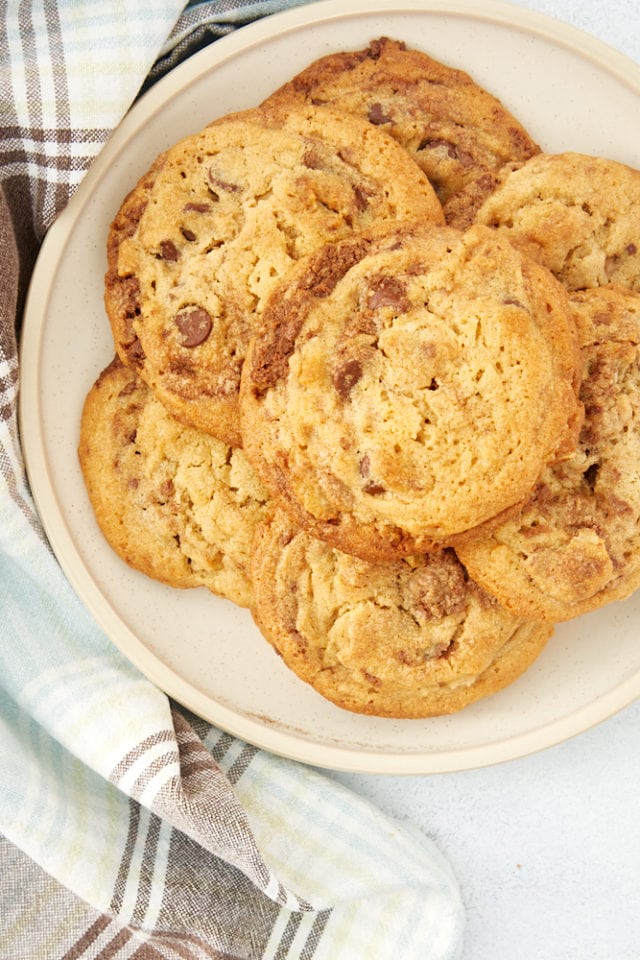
(571, 92)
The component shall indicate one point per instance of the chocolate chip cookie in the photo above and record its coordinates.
(575, 545)
(199, 244)
(576, 214)
(172, 501)
(456, 131)
(407, 385)
(408, 638)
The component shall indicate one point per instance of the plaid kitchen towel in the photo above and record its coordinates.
(131, 828)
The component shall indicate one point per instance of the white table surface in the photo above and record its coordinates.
(547, 847)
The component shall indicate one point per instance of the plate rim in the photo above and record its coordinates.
(245, 726)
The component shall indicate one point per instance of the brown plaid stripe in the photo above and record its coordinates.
(10, 464)
(73, 927)
(47, 149)
(20, 155)
(42, 161)
(208, 908)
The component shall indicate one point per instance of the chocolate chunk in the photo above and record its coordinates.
(364, 466)
(135, 353)
(439, 588)
(371, 487)
(613, 261)
(195, 325)
(387, 292)
(432, 143)
(216, 181)
(513, 302)
(453, 151)
(331, 265)
(130, 297)
(271, 360)
(197, 207)
(275, 345)
(188, 234)
(311, 159)
(362, 197)
(591, 474)
(377, 116)
(168, 250)
(374, 489)
(346, 377)
(376, 47)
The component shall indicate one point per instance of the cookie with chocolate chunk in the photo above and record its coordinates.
(575, 545)
(576, 214)
(199, 244)
(407, 385)
(407, 638)
(454, 129)
(172, 501)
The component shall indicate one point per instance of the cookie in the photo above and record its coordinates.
(459, 134)
(402, 639)
(406, 386)
(201, 241)
(172, 501)
(576, 214)
(575, 545)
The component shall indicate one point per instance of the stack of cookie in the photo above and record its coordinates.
(376, 380)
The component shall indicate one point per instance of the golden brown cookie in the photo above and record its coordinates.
(172, 501)
(408, 638)
(199, 244)
(456, 131)
(578, 215)
(406, 386)
(575, 545)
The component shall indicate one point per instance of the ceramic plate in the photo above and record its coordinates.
(570, 92)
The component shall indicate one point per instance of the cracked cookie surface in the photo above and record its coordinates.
(458, 133)
(401, 639)
(172, 501)
(576, 214)
(406, 386)
(199, 244)
(575, 545)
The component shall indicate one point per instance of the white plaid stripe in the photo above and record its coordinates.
(137, 771)
(157, 884)
(128, 907)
